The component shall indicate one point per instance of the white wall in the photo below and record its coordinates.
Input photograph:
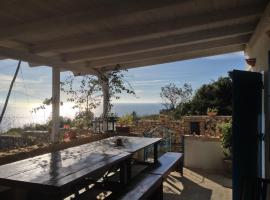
(259, 50)
(203, 153)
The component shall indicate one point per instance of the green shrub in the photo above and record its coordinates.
(226, 138)
(215, 110)
(125, 120)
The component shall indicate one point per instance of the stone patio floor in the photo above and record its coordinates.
(197, 185)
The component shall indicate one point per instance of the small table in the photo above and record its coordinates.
(56, 173)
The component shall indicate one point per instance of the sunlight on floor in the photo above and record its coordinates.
(197, 185)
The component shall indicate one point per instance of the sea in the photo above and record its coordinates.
(18, 116)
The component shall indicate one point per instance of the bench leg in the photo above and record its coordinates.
(161, 191)
(181, 166)
(158, 193)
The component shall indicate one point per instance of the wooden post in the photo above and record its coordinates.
(9, 92)
(55, 103)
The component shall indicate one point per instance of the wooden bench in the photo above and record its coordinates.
(145, 186)
(148, 185)
(167, 162)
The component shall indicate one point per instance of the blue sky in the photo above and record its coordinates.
(34, 84)
(147, 81)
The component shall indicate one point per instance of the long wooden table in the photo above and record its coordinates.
(56, 173)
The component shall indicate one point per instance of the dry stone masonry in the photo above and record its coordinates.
(188, 125)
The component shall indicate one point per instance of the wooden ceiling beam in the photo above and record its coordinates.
(177, 57)
(262, 26)
(32, 58)
(174, 50)
(150, 31)
(110, 11)
(160, 43)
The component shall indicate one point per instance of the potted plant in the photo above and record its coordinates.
(212, 111)
(226, 144)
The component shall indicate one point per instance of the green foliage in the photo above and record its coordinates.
(226, 138)
(83, 120)
(62, 120)
(126, 120)
(46, 102)
(217, 94)
(215, 110)
(14, 132)
(83, 91)
(118, 84)
(150, 117)
(36, 126)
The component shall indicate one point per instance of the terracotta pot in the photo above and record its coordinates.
(70, 135)
(251, 61)
(211, 113)
(120, 129)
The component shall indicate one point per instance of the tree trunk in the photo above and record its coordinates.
(106, 99)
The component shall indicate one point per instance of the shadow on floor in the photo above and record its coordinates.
(221, 179)
(181, 188)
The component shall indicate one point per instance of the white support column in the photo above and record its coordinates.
(55, 103)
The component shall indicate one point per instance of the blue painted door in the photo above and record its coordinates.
(247, 103)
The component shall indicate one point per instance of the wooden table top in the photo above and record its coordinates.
(130, 144)
(54, 171)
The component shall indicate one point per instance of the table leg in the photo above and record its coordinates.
(129, 170)
(155, 153)
(125, 171)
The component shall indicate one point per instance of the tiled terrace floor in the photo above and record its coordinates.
(196, 185)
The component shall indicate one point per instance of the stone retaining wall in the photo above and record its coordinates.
(11, 142)
(207, 125)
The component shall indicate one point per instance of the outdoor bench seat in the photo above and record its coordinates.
(89, 194)
(167, 162)
(145, 186)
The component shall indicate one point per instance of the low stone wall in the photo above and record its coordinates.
(39, 137)
(203, 153)
(144, 126)
(207, 126)
(11, 142)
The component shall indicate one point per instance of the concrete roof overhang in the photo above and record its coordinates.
(88, 35)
